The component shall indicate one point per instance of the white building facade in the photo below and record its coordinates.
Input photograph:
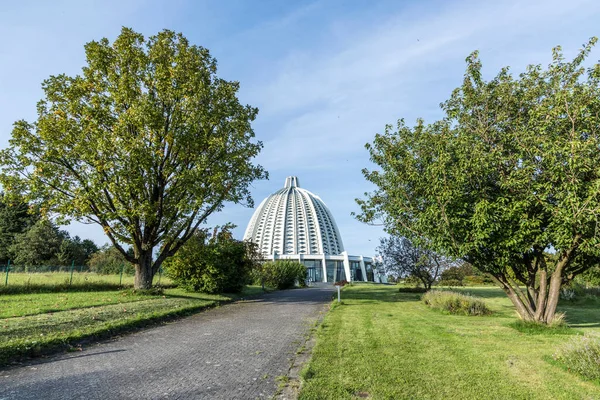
(295, 224)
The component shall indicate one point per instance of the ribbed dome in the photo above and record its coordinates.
(294, 221)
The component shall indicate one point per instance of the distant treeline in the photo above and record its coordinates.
(28, 239)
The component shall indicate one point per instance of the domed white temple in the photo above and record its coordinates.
(295, 224)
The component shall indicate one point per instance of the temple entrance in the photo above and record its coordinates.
(314, 270)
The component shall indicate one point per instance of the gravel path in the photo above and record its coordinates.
(232, 352)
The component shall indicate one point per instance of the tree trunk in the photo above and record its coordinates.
(553, 295)
(520, 306)
(426, 283)
(143, 272)
(542, 295)
(556, 280)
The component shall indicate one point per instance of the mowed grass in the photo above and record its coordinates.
(19, 305)
(38, 323)
(382, 344)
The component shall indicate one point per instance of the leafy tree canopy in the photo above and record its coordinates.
(109, 260)
(509, 176)
(39, 245)
(16, 216)
(403, 259)
(147, 142)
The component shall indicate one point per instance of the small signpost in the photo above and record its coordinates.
(338, 289)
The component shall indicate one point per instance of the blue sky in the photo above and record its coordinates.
(326, 75)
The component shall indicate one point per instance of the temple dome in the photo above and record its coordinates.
(294, 221)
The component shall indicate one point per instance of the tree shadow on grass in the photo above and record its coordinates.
(581, 316)
(487, 292)
(374, 296)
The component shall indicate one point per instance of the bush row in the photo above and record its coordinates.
(455, 303)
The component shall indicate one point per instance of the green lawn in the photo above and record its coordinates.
(31, 324)
(383, 344)
(19, 305)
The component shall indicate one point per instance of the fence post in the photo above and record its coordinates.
(121, 277)
(72, 267)
(7, 268)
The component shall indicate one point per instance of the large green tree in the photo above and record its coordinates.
(147, 142)
(508, 180)
(15, 218)
(39, 245)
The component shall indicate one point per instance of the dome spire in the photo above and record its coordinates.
(291, 181)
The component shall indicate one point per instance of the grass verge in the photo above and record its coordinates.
(35, 333)
(383, 344)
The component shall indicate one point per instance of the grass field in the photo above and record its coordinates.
(36, 323)
(383, 344)
(51, 281)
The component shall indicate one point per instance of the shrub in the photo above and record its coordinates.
(450, 282)
(576, 292)
(412, 290)
(581, 355)
(558, 326)
(212, 264)
(109, 260)
(343, 282)
(411, 281)
(455, 303)
(567, 294)
(283, 274)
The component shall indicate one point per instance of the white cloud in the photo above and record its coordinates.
(330, 103)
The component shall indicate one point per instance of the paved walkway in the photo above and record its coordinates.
(231, 352)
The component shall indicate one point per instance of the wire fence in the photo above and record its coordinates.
(44, 276)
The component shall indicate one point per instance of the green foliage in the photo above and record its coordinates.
(402, 258)
(283, 274)
(43, 244)
(455, 303)
(213, 264)
(15, 218)
(581, 355)
(412, 281)
(147, 142)
(39, 245)
(510, 172)
(75, 250)
(109, 260)
(464, 275)
(557, 327)
(591, 277)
